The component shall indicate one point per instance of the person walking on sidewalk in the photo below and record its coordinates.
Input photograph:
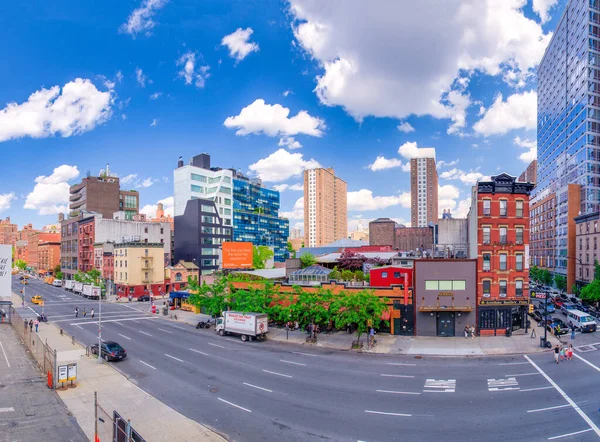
(467, 331)
(570, 352)
(36, 323)
(76, 312)
(556, 353)
(92, 312)
(84, 312)
(572, 332)
(31, 325)
(472, 332)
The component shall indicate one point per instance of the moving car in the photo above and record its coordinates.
(57, 283)
(37, 299)
(558, 302)
(111, 351)
(537, 315)
(143, 298)
(566, 307)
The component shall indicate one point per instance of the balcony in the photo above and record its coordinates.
(76, 204)
(75, 197)
(76, 188)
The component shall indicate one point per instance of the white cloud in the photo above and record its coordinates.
(147, 182)
(297, 212)
(410, 150)
(290, 142)
(530, 145)
(155, 95)
(150, 209)
(443, 163)
(78, 108)
(238, 44)
(119, 76)
(363, 200)
(128, 178)
(519, 111)
(284, 187)
(141, 78)
(274, 120)
(405, 127)
(406, 167)
(359, 73)
(281, 165)
(287, 92)
(543, 7)
(190, 73)
(50, 195)
(382, 163)
(154, 122)
(466, 177)
(140, 20)
(463, 208)
(447, 195)
(5, 199)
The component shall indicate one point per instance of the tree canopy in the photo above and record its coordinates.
(260, 256)
(308, 259)
(20, 264)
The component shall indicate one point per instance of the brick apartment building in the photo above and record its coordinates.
(40, 246)
(587, 250)
(8, 232)
(386, 232)
(499, 239)
(22, 244)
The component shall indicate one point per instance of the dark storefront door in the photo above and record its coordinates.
(517, 318)
(405, 324)
(445, 323)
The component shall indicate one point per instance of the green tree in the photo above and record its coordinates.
(213, 298)
(359, 276)
(534, 273)
(561, 282)
(58, 275)
(311, 307)
(20, 264)
(260, 255)
(545, 277)
(56, 269)
(308, 259)
(575, 289)
(291, 250)
(591, 292)
(360, 308)
(347, 275)
(335, 274)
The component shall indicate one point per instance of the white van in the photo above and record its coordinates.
(581, 320)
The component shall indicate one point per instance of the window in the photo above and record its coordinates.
(197, 177)
(130, 201)
(445, 285)
(211, 189)
(208, 209)
(431, 285)
(459, 285)
(519, 287)
(503, 205)
(519, 237)
(487, 262)
(519, 211)
(396, 275)
(126, 264)
(227, 180)
(145, 229)
(178, 275)
(487, 287)
(198, 189)
(162, 230)
(502, 235)
(502, 261)
(486, 235)
(519, 262)
(227, 202)
(227, 211)
(486, 207)
(502, 288)
(384, 274)
(208, 219)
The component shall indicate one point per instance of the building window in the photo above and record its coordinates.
(431, 285)
(197, 189)
(445, 285)
(502, 261)
(208, 209)
(519, 287)
(487, 262)
(519, 211)
(459, 285)
(162, 230)
(486, 235)
(178, 277)
(519, 262)
(130, 201)
(487, 287)
(384, 274)
(519, 236)
(503, 206)
(502, 288)
(487, 207)
(502, 235)
(197, 177)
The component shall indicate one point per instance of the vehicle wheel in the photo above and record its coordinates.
(106, 358)
(244, 338)
(221, 333)
(207, 325)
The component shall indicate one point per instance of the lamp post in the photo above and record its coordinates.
(100, 326)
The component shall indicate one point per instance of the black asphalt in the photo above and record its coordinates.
(275, 391)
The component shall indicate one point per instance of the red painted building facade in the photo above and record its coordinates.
(502, 239)
(85, 241)
(387, 276)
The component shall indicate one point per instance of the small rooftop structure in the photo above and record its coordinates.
(264, 273)
(312, 275)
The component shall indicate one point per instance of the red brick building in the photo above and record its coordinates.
(500, 212)
(85, 243)
(386, 232)
(49, 254)
(8, 232)
(34, 242)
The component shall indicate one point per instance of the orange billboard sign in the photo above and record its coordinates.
(237, 255)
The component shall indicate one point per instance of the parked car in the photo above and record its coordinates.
(111, 351)
(144, 298)
(551, 308)
(57, 283)
(537, 315)
(558, 302)
(37, 299)
(594, 312)
(574, 300)
(558, 326)
(566, 307)
(564, 297)
(582, 321)
(583, 307)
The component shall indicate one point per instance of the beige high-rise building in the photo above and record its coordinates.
(325, 207)
(423, 188)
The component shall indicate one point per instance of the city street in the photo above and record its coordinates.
(273, 391)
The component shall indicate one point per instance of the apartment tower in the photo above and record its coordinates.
(423, 188)
(325, 207)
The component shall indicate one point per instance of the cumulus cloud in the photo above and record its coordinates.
(77, 108)
(50, 195)
(530, 145)
(168, 205)
(290, 142)
(281, 165)
(297, 212)
(410, 150)
(358, 73)
(519, 111)
(405, 127)
(274, 120)
(382, 163)
(191, 73)
(543, 7)
(463, 208)
(5, 199)
(466, 177)
(141, 19)
(447, 196)
(238, 44)
(284, 187)
(363, 200)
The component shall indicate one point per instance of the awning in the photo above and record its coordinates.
(442, 308)
(179, 295)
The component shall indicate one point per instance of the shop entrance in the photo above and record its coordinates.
(404, 325)
(517, 318)
(445, 324)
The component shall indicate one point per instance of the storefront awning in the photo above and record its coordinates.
(179, 295)
(441, 308)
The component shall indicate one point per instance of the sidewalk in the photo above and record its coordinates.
(519, 343)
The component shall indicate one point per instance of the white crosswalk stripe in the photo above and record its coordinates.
(439, 386)
(503, 384)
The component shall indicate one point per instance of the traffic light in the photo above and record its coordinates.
(530, 308)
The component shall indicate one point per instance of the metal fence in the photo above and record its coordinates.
(41, 351)
(113, 427)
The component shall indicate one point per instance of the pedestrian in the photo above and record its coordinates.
(371, 336)
(467, 330)
(572, 332)
(472, 332)
(36, 323)
(31, 325)
(92, 312)
(562, 354)
(84, 312)
(556, 353)
(76, 312)
(570, 352)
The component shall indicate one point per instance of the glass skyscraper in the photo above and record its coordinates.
(568, 131)
(256, 216)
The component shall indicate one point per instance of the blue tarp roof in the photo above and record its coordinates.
(179, 295)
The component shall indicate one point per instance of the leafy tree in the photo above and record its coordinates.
(591, 292)
(58, 275)
(211, 297)
(359, 276)
(311, 307)
(575, 289)
(308, 259)
(545, 277)
(291, 250)
(335, 274)
(56, 269)
(347, 275)
(350, 260)
(596, 270)
(20, 264)
(561, 282)
(360, 308)
(534, 273)
(260, 256)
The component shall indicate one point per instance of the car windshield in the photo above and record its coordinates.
(586, 319)
(114, 347)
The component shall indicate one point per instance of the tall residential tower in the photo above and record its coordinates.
(423, 188)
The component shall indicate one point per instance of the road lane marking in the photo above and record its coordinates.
(587, 362)
(278, 374)
(290, 362)
(256, 386)
(6, 410)
(109, 320)
(439, 386)
(397, 376)
(234, 405)
(5, 357)
(198, 351)
(502, 384)
(126, 337)
(569, 434)
(304, 354)
(548, 408)
(137, 322)
(401, 363)
(179, 328)
(79, 327)
(514, 363)
(144, 333)
(387, 413)
(166, 331)
(154, 368)
(521, 374)
(173, 357)
(396, 392)
(215, 345)
(579, 411)
(539, 388)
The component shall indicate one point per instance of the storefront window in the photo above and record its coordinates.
(503, 318)
(487, 319)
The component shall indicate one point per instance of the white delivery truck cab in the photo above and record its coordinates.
(69, 284)
(247, 326)
(581, 320)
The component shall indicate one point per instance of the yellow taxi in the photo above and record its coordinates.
(37, 299)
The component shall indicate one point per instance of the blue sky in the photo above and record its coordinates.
(138, 83)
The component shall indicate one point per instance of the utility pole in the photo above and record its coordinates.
(99, 329)
(545, 319)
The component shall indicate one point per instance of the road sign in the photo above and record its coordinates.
(72, 372)
(62, 373)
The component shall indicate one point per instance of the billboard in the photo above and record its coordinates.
(237, 255)
(5, 270)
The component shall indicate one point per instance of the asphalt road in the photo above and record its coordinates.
(274, 391)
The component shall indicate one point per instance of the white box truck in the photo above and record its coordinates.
(247, 326)
(78, 287)
(91, 291)
(69, 284)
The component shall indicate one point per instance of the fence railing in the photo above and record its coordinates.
(44, 355)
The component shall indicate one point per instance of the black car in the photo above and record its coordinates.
(111, 351)
(564, 297)
(574, 300)
(558, 325)
(583, 307)
(144, 298)
(537, 315)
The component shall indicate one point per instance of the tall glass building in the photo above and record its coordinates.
(256, 216)
(568, 130)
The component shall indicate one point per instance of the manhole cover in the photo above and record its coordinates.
(214, 390)
(418, 357)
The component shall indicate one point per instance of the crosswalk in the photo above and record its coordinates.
(502, 384)
(439, 386)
